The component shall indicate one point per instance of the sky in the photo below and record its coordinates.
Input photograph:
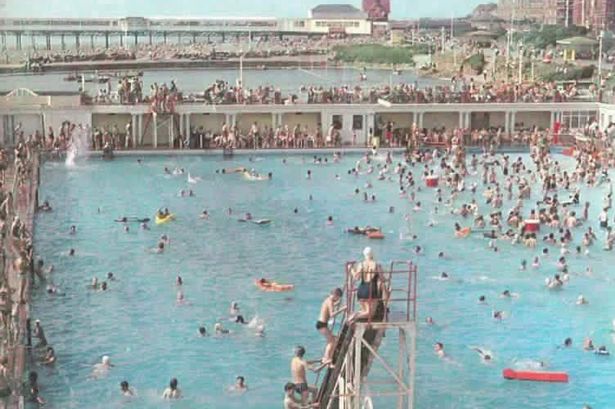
(401, 9)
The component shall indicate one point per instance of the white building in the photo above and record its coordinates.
(338, 19)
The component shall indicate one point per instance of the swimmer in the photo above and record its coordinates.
(144, 226)
(602, 351)
(103, 286)
(72, 230)
(102, 369)
(497, 315)
(443, 276)
(329, 221)
(484, 354)
(52, 290)
(429, 321)
(94, 284)
(71, 252)
(172, 392)
(588, 344)
(220, 330)
(202, 332)
(439, 350)
(235, 314)
(329, 309)
(111, 277)
(581, 300)
(508, 294)
(567, 342)
(523, 266)
(482, 300)
(179, 281)
(536, 262)
(126, 390)
(181, 299)
(240, 385)
(260, 330)
(555, 282)
(49, 358)
(45, 207)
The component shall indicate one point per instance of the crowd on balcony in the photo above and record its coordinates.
(221, 92)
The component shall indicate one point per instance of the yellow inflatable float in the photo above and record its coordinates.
(162, 219)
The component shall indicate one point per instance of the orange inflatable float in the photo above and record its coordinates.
(375, 235)
(464, 232)
(272, 286)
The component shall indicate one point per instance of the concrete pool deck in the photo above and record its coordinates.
(307, 151)
(18, 340)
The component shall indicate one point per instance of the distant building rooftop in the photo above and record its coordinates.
(337, 11)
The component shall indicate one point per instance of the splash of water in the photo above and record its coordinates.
(78, 146)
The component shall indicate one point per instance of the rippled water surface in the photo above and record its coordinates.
(150, 339)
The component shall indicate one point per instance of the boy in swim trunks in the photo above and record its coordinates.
(298, 367)
(327, 312)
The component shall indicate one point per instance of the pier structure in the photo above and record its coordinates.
(128, 31)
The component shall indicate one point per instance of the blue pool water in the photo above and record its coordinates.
(150, 339)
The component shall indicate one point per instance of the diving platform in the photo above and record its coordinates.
(359, 348)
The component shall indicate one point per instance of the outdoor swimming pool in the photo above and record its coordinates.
(150, 339)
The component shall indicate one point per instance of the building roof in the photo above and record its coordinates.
(482, 34)
(337, 11)
(578, 41)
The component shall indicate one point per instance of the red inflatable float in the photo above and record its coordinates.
(431, 181)
(536, 376)
(532, 226)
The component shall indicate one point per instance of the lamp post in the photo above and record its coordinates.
(533, 59)
(520, 48)
(241, 68)
(600, 37)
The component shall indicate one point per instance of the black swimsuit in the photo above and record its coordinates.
(320, 325)
(368, 289)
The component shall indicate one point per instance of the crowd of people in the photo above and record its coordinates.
(203, 49)
(460, 90)
(19, 269)
(501, 178)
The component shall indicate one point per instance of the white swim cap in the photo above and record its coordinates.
(105, 360)
(367, 252)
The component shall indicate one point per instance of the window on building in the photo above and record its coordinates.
(357, 122)
(338, 121)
